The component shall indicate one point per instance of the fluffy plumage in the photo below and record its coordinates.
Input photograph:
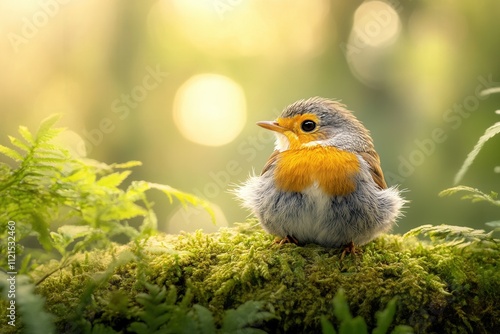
(323, 186)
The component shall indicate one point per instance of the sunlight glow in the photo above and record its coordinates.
(210, 109)
(248, 28)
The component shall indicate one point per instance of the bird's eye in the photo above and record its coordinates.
(308, 126)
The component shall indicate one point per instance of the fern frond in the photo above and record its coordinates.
(41, 227)
(326, 326)
(155, 313)
(19, 144)
(454, 235)
(475, 195)
(48, 184)
(44, 138)
(244, 317)
(46, 126)
(205, 319)
(349, 324)
(14, 155)
(26, 134)
(128, 164)
(54, 152)
(341, 307)
(113, 180)
(488, 134)
(385, 317)
(183, 197)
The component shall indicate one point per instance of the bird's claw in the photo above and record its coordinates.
(286, 240)
(350, 248)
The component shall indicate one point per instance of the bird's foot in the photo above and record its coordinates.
(286, 240)
(350, 248)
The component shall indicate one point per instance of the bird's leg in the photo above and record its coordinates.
(286, 240)
(349, 248)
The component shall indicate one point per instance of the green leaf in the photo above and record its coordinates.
(206, 324)
(136, 191)
(149, 224)
(488, 134)
(385, 317)
(128, 164)
(81, 176)
(26, 134)
(44, 139)
(355, 325)
(14, 155)
(121, 210)
(40, 226)
(113, 180)
(402, 329)
(19, 144)
(246, 315)
(157, 308)
(326, 326)
(59, 242)
(348, 324)
(341, 307)
(46, 125)
(74, 231)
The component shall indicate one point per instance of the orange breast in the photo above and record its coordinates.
(330, 167)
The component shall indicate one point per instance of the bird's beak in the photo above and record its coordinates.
(272, 125)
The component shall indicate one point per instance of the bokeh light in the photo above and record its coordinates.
(73, 142)
(376, 23)
(376, 26)
(210, 109)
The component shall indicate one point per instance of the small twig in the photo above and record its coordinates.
(47, 275)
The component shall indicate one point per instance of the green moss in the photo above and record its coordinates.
(449, 282)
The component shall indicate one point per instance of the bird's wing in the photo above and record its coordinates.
(373, 160)
(272, 159)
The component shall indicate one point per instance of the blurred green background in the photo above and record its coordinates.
(179, 85)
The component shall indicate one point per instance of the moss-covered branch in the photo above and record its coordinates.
(448, 282)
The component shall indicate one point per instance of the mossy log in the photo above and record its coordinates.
(446, 278)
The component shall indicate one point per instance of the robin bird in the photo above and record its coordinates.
(323, 184)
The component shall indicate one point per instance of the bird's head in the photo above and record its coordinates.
(318, 121)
